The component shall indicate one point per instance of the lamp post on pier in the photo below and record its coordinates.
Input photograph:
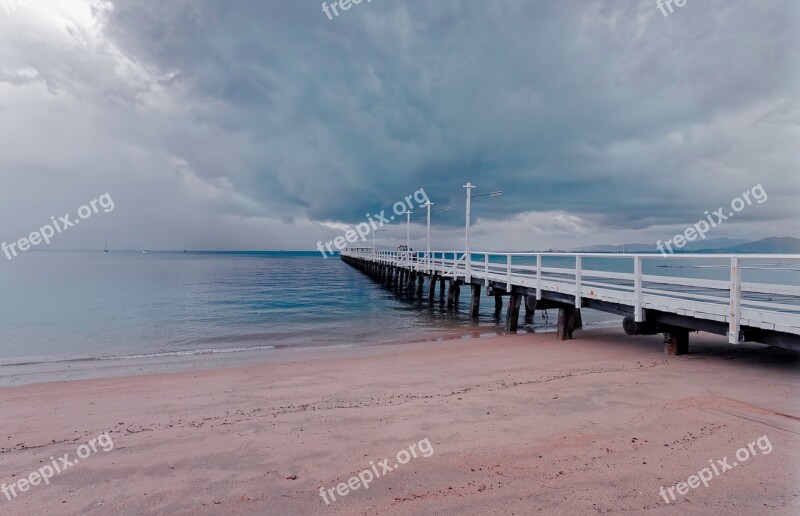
(468, 257)
(408, 237)
(374, 250)
(428, 250)
(428, 205)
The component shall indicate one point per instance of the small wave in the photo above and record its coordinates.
(601, 323)
(156, 354)
(187, 352)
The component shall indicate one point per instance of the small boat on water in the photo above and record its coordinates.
(144, 251)
(106, 249)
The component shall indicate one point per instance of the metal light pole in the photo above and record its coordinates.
(469, 186)
(470, 197)
(428, 206)
(374, 250)
(408, 237)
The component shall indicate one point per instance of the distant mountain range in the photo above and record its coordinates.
(774, 245)
(771, 245)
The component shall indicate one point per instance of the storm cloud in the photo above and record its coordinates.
(266, 125)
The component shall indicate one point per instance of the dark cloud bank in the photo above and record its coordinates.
(260, 124)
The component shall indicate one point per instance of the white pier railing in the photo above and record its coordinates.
(758, 291)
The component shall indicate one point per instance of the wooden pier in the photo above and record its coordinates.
(630, 285)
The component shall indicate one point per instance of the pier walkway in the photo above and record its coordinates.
(753, 298)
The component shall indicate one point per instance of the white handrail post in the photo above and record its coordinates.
(508, 273)
(538, 277)
(735, 300)
(578, 265)
(637, 289)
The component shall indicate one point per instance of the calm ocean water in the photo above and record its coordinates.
(68, 314)
(65, 313)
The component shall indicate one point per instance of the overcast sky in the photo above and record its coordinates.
(263, 124)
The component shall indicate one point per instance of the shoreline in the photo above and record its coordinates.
(517, 423)
(93, 368)
(100, 368)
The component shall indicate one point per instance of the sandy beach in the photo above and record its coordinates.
(521, 424)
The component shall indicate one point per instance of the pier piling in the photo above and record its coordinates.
(568, 321)
(451, 294)
(512, 314)
(530, 309)
(677, 343)
(475, 302)
(498, 305)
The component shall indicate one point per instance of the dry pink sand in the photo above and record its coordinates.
(519, 425)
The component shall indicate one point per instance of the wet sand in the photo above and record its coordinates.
(517, 425)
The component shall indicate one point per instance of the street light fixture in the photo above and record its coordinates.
(374, 250)
(468, 257)
(408, 237)
(428, 205)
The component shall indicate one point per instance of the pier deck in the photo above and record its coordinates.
(752, 298)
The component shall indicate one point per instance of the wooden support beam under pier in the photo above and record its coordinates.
(530, 308)
(512, 314)
(451, 294)
(568, 321)
(677, 342)
(475, 301)
(498, 305)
